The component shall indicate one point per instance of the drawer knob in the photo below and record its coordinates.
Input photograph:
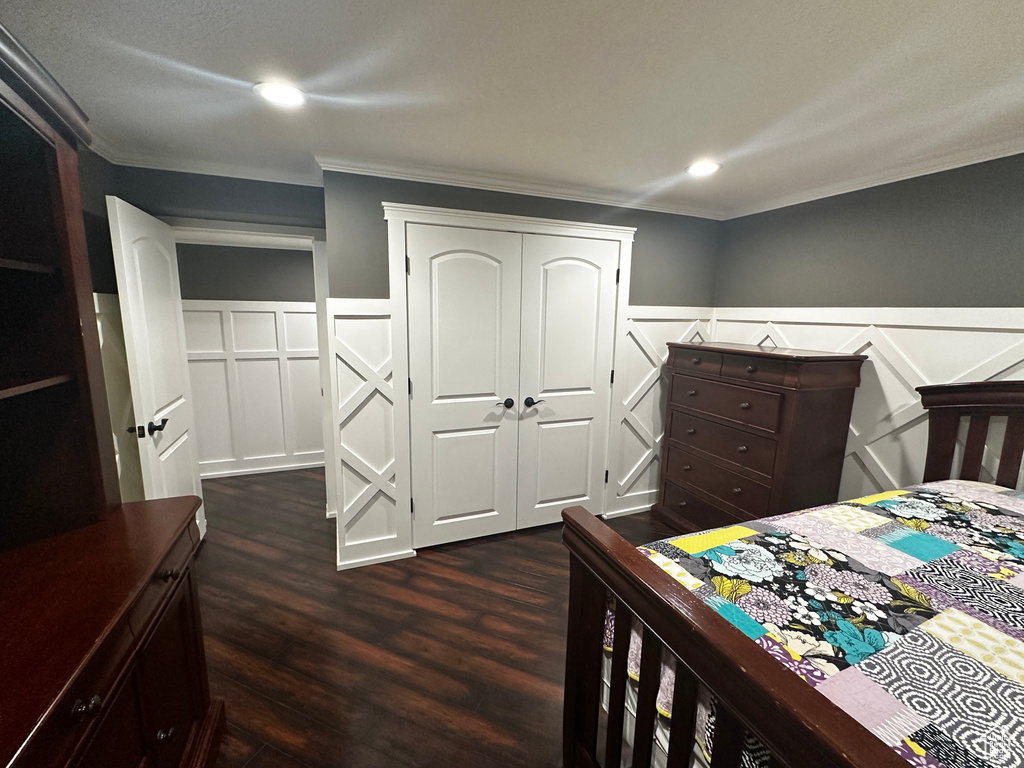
(682, 503)
(742, 449)
(691, 431)
(81, 709)
(686, 467)
(691, 392)
(751, 369)
(170, 574)
(163, 735)
(696, 361)
(737, 490)
(745, 406)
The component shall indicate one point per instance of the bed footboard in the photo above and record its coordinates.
(754, 693)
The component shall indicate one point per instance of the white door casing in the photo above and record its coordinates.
(464, 302)
(568, 316)
(146, 266)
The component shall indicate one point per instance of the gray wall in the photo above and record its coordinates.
(949, 239)
(673, 256)
(185, 195)
(230, 273)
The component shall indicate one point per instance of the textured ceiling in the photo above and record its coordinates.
(603, 101)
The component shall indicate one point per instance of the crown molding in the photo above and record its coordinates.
(513, 186)
(905, 172)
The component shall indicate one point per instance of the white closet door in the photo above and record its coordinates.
(568, 317)
(464, 293)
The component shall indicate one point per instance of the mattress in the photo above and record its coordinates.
(906, 609)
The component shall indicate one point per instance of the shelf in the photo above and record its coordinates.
(32, 385)
(27, 266)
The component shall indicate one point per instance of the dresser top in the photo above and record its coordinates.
(778, 353)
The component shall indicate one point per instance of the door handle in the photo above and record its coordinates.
(508, 402)
(157, 428)
(529, 402)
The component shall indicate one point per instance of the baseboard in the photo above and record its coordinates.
(258, 470)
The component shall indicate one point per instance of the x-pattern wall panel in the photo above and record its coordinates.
(906, 348)
(374, 514)
(638, 400)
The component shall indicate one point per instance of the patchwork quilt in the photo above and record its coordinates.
(906, 609)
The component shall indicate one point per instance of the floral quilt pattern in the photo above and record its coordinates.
(906, 609)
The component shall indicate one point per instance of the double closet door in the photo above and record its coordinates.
(510, 357)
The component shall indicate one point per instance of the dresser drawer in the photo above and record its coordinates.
(695, 472)
(81, 708)
(698, 513)
(696, 360)
(740, 404)
(760, 369)
(754, 452)
(171, 569)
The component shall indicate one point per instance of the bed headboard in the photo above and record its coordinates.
(980, 402)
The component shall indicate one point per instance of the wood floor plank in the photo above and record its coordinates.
(454, 657)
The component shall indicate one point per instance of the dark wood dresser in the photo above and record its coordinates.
(101, 654)
(752, 431)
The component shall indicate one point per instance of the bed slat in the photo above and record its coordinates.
(646, 699)
(942, 429)
(583, 666)
(684, 718)
(617, 694)
(975, 449)
(1013, 452)
(728, 748)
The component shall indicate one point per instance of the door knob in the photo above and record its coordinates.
(157, 428)
(508, 402)
(529, 402)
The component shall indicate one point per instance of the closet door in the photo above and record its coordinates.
(568, 317)
(464, 293)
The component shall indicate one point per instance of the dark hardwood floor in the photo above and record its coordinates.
(454, 657)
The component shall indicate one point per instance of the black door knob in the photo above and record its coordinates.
(508, 402)
(157, 427)
(529, 402)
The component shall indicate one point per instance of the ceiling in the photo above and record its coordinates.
(600, 101)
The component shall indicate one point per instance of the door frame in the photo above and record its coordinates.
(398, 216)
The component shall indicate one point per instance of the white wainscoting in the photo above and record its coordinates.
(639, 395)
(906, 348)
(119, 396)
(255, 373)
(371, 445)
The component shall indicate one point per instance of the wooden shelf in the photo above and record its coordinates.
(27, 266)
(31, 385)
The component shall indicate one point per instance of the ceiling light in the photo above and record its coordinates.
(281, 94)
(703, 168)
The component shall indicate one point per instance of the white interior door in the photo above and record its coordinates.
(464, 293)
(568, 319)
(147, 284)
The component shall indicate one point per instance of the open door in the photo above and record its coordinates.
(154, 335)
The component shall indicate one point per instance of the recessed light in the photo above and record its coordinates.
(281, 94)
(703, 168)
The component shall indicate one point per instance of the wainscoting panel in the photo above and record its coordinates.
(371, 445)
(255, 384)
(639, 394)
(906, 348)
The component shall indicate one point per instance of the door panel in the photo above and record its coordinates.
(464, 295)
(147, 282)
(568, 315)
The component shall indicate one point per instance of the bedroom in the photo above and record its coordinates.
(882, 269)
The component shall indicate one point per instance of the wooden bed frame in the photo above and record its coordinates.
(754, 692)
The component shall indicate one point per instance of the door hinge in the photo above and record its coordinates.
(612, 380)
(606, 475)
(412, 508)
(617, 276)
(408, 265)
(410, 387)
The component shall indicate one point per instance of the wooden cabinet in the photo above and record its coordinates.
(56, 456)
(752, 431)
(108, 666)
